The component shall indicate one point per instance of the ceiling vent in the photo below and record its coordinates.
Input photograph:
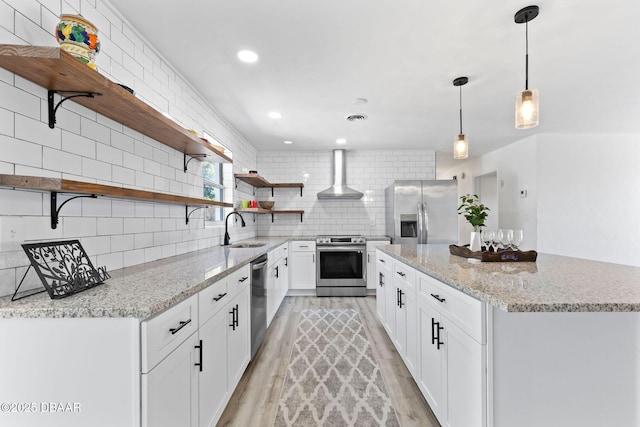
(356, 117)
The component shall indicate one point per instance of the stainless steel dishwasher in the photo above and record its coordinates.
(258, 302)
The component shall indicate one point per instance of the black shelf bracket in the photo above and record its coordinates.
(72, 94)
(55, 209)
(191, 157)
(272, 214)
(188, 214)
(253, 188)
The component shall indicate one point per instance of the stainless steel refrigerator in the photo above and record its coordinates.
(420, 212)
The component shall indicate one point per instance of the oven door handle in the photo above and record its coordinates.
(342, 249)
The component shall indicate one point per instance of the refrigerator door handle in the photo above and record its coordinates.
(420, 223)
(425, 224)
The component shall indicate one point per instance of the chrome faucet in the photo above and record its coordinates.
(226, 226)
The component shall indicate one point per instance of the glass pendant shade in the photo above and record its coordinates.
(527, 109)
(460, 147)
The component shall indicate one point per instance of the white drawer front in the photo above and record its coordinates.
(237, 280)
(212, 299)
(463, 310)
(166, 331)
(303, 246)
(406, 275)
(384, 260)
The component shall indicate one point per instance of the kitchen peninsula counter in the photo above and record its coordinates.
(144, 290)
(552, 284)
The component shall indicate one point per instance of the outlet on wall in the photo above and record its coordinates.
(523, 194)
(11, 233)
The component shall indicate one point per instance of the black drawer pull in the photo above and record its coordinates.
(219, 297)
(401, 273)
(382, 261)
(200, 350)
(381, 279)
(438, 297)
(243, 279)
(182, 325)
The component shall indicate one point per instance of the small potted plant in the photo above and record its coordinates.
(475, 213)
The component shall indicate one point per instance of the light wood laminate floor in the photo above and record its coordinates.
(255, 400)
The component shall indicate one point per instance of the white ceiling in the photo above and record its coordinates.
(402, 55)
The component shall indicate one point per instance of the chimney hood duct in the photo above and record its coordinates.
(339, 189)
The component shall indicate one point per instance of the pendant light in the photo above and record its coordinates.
(460, 145)
(527, 102)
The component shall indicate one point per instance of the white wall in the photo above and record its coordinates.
(369, 172)
(588, 199)
(86, 146)
(582, 193)
(515, 168)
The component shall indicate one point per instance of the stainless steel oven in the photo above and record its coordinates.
(341, 267)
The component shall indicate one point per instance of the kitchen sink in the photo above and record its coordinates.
(246, 245)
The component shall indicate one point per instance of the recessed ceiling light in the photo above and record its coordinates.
(358, 101)
(341, 141)
(288, 142)
(275, 115)
(247, 56)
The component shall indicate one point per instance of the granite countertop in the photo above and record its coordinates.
(553, 283)
(144, 290)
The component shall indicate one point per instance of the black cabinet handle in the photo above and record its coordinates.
(382, 261)
(182, 325)
(236, 319)
(438, 297)
(400, 303)
(401, 273)
(219, 297)
(368, 258)
(243, 279)
(277, 272)
(435, 338)
(200, 350)
(286, 261)
(381, 279)
(233, 318)
(398, 297)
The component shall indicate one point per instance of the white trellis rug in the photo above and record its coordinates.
(333, 378)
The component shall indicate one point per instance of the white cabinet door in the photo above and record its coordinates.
(169, 391)
(213, 386)
(431, 379)
(465, 379)
(391, 302)
(372, 277)
(303, 270)
(238, 337)
(412, 346)
(381, 300)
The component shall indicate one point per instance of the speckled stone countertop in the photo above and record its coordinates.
(144, 290)
(553, 283)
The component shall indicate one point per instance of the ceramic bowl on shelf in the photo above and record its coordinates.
(267, 205)
(78, 37)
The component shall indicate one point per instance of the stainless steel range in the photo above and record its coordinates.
(341, 266)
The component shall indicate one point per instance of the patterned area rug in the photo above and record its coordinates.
(333, 378)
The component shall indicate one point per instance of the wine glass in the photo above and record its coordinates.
(499, 238)
(507, 236)
(516, 240)
(495, 240)
(486, 236)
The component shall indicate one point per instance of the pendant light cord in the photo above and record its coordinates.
(526, 61)
(460, 109)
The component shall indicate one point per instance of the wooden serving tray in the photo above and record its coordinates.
(502, 256)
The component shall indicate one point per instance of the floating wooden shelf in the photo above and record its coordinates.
(260, 211)
(257, 181)
(87, 189)
(56, 70)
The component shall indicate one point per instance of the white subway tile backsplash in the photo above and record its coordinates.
(7, 123)
(108, 154)
(20, 152)
(133, 225)
(61, 161)
(95, 131)
(152, 225)
(19, 101)
(110, 226)
(112, 261)
(124, 242)
(74, 143)
(153, 253)
(124, 176)
(144, 180)
(143, 240)
(95, 169)
(97, 245)
(133, 257)
(78, 226)
(123, 208)
(100, 207)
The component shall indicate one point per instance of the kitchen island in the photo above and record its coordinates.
(553, 343)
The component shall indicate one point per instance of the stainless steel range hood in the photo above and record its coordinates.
(339, 189)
